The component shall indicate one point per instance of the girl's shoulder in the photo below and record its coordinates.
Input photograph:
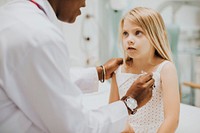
(168, 65)
(164, 65)
(168, 70)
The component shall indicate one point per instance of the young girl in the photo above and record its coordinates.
(146, 49)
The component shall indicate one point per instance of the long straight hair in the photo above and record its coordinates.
(153, 25)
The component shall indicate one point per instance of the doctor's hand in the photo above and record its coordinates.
(141, 89)
(105, 71)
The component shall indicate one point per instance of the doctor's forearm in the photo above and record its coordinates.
(85, 78)
(108, 119)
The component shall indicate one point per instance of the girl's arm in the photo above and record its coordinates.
(171, 99)
(114, 93)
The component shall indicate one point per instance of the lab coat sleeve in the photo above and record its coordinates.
(44, 91)
(85, 78)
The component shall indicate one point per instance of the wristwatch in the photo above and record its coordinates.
(131, 104)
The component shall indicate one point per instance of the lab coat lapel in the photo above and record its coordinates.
(49, 12)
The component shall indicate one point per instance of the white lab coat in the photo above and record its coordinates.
(37, 94)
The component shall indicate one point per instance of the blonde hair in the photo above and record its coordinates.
(153, 25)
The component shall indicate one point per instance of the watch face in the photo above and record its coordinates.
(131, 103)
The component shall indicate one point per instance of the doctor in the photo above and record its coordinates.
(37, 94)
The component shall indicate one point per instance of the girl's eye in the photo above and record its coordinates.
(137, 33)
(125, 33)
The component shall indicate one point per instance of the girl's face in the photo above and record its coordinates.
(135, 43)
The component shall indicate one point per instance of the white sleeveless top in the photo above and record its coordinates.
(148, 118)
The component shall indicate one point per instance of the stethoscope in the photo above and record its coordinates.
(40, 7)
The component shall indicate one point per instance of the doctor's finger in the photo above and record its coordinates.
(119, 61)
(146, 77)
(150, 83)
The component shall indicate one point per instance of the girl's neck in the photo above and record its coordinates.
(143, 65)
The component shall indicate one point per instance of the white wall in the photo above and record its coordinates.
(2, 2)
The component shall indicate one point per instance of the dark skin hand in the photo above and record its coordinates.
(110, 66)
(141, 89)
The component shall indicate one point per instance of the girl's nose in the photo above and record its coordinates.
(131, 41)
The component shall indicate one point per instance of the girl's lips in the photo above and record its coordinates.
(131, 48)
